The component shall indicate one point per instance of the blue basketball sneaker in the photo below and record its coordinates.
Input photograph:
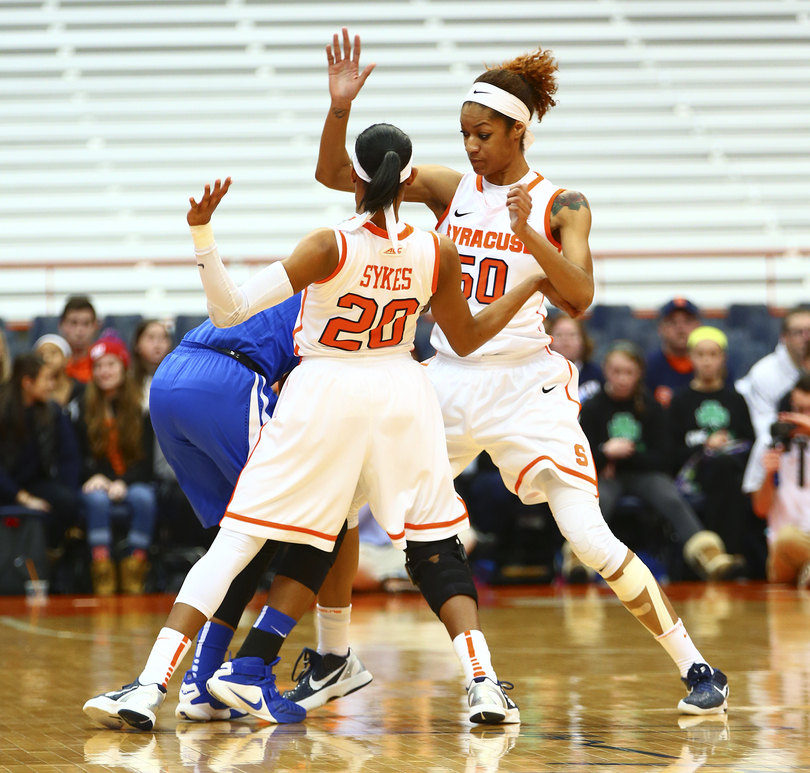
(249, 685)
(708, 691)
(198, 705)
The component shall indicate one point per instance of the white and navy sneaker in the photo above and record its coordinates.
(708, 691)
(325, 678)
(135, 704)
(489, 703)
(249, 685)
(198, 705)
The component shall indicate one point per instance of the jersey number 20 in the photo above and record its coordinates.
(394, 313)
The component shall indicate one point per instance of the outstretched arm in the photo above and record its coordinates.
(433, 186)
(449, 307)
(315, 258)
(569, 271)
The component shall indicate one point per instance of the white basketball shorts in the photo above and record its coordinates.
(344, 430)
(523, 413)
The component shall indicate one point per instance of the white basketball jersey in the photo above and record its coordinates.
(494, 260)
(370, 304)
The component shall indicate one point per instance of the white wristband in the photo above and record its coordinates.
(203, 236)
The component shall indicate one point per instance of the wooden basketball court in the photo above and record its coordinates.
(596, 693)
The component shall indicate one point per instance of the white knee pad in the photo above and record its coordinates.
(580, 520)
(208, 580)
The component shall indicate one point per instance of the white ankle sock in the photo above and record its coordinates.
(473, 652)
(679, 646)
(167, 651)
(333, 630)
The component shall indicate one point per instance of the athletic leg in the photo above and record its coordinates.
(202, 593)
(581, 523)
(441, 572)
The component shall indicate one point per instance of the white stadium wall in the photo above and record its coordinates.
(686, 123)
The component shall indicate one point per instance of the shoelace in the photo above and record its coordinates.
(699, 678)
(306, 654)
(506, 685)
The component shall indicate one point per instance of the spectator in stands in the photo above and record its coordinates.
(571, 340)
(150, 345)
(770, 379)
(39, 457)
(670, 368)
(78, 325)
(5, 358)
(778, 478)
(711, 438)
(116, 441)
(627, 432)
(55, 351)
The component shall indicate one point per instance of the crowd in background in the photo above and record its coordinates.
(703, 475)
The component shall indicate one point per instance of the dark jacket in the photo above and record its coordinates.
(48, 451)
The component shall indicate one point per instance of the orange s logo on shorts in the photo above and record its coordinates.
(582, 457)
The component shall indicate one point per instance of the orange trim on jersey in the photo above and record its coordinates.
(531, 464)
(282, 526)
(300, 325)
(435, 283)
(343, 250)
(377, 231)
(539, 179)
(547, 220)
(479, 183)
(570, 376)
(395, 537)
(444, 215)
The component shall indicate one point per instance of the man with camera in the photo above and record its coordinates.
(778, 479)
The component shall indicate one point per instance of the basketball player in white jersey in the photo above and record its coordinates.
(514, 397)
(358, 418)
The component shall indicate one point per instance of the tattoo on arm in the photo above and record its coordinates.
(339, 112)
(570, 199)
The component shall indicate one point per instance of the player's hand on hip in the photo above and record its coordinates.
(519, 204)
(200, 214)
(345, 78)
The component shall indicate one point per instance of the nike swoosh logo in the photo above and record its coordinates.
(546, 391)
(255, 706)
(201, 265)
(277, 632)
(327, 680)
(462, 214)
(185, 690)
(475, 91)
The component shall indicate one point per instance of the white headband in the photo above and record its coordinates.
(391, 224)
(56, 340)
(503, 102)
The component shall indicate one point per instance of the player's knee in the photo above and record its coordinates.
(598, 548)
(308, 565)
(440, 571)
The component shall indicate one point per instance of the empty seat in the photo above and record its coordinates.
(41, 326)
(123, 324)
(185, 322)
(607, 318)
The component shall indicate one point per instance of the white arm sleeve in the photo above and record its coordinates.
(228, 305)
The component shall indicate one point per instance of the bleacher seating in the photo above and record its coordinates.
(123, 324)
(685, 123)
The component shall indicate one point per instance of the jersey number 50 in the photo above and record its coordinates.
(491, 283)
(394, 313)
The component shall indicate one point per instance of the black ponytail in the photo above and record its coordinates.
(383, 151)
(12, 409)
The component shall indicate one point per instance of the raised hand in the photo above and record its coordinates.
(200, 214)
(519, 204)
(345, 78)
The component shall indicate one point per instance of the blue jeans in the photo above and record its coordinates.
(139, 507)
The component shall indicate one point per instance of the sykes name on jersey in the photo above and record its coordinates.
(494, 260)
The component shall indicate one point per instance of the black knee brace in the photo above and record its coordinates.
(440, 570)
(308, 565)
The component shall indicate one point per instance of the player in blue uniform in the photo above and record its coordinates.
(208, 401)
